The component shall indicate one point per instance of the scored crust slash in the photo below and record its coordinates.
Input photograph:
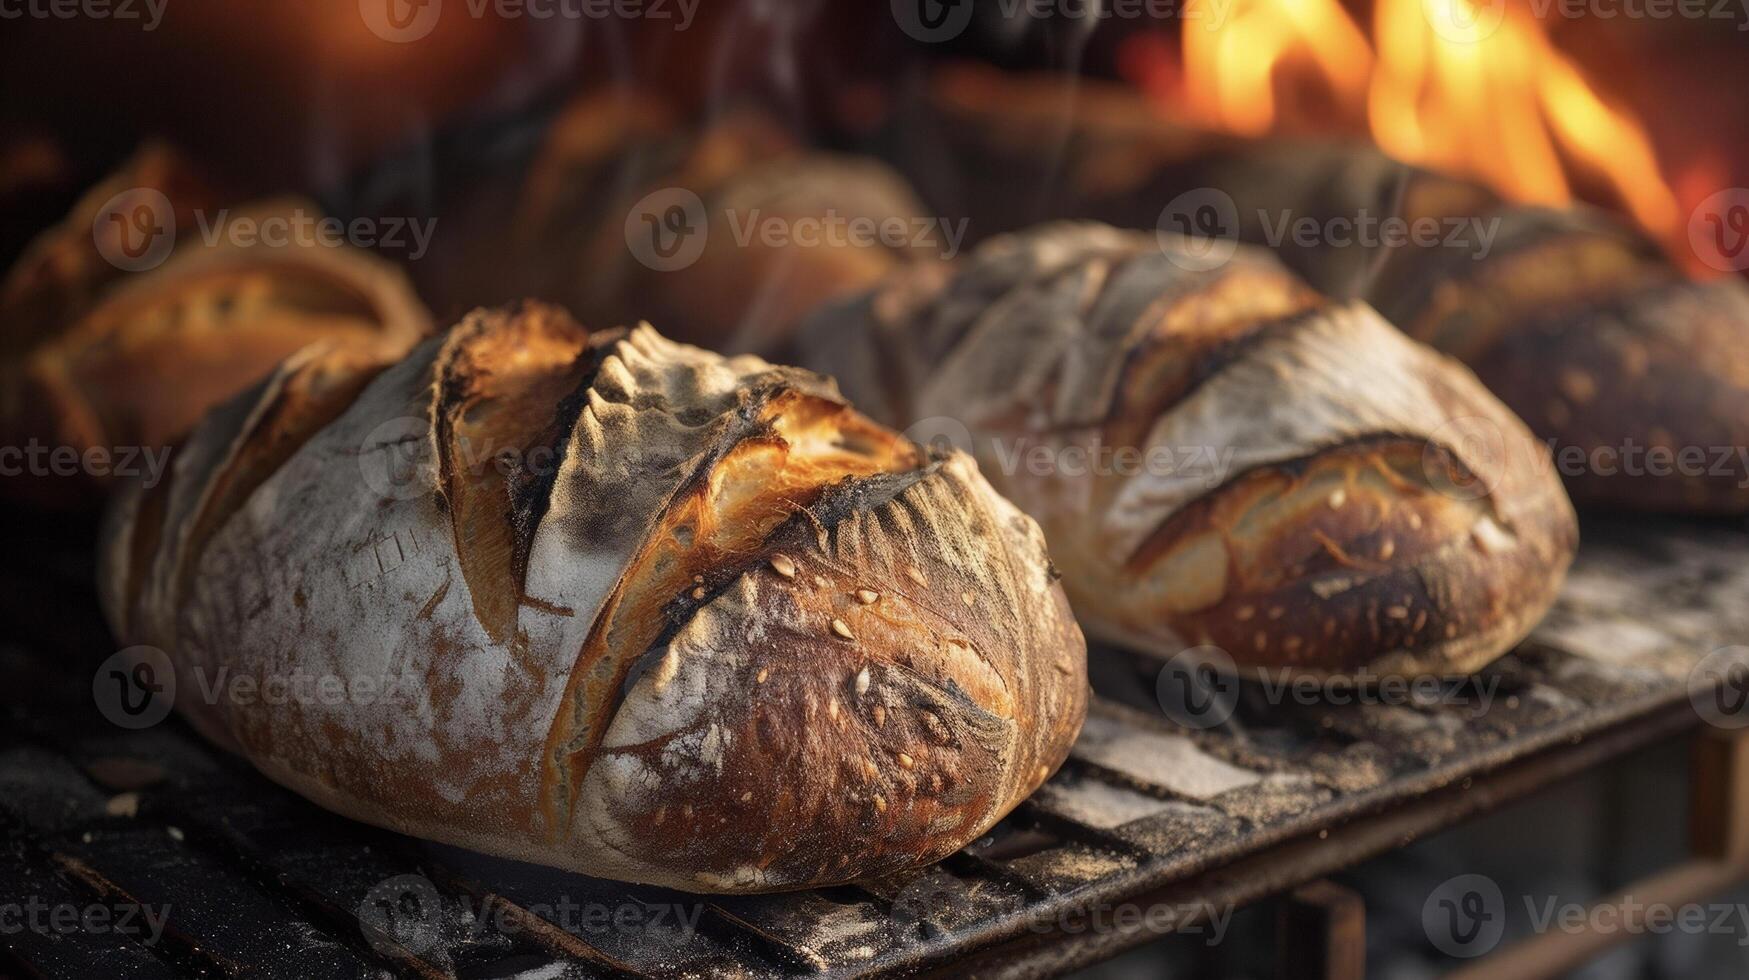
(1358, 531)
(729, 578)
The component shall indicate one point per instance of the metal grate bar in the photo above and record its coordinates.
(1145, 810)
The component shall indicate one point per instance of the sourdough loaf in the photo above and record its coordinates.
(725, 231)
(1218, 454)
(649, 613)
(103, 358)
(1635, 375)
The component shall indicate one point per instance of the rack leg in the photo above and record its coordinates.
(1321, 933)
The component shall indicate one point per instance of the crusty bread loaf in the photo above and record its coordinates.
(668, 617)
(63, 271)
(101, 358)
(613, 161)
(1220, 456)
(1634, 375)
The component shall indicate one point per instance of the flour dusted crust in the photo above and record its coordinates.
(1299, 484)
(654, 614)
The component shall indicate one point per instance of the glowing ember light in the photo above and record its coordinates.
(1474, 89)
(1230, 68)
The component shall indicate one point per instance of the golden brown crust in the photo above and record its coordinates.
(1218, 456)
(735, 637)
(1549, 306)
(743, 292)
(63, 271)
(924, 676)
(1635, 376)
(154, 350)
(1354, 549)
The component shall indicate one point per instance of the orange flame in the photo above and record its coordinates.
(1469, 87)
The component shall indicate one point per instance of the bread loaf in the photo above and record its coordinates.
(667, 617)
(1632, 374)
(63, 271)
(1636, 376)
(1219, 455)
(726, 233)
(118, 361)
